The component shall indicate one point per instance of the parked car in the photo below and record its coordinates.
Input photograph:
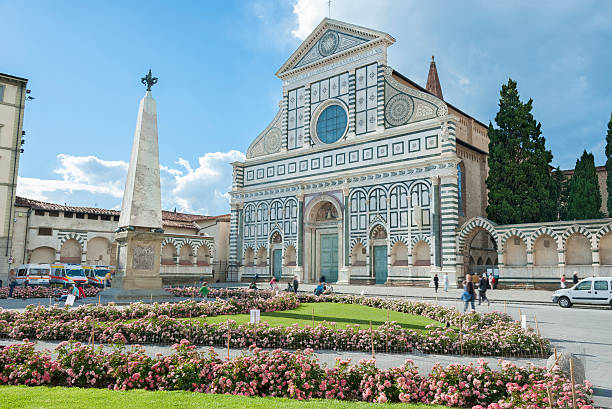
(593, 290)
(33, 274)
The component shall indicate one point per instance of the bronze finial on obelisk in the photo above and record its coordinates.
(149, 80)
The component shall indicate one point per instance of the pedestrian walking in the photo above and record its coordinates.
(436, 280)
(563, 281)
(575, 278)
(12, 282)
(204, 289)
(491, 280)
(273, 284)
(445, 281)
(483, 285)
(468, 293)
(296, 283)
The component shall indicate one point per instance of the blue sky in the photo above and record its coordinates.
(217, 90)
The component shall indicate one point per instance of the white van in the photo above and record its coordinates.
(593, 290)
(33, 274)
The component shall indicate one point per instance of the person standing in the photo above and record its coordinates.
(204, 290)
(296, 283)
(483, 284)
(445, 281)
(563, 281)
(12, 282)
(436, 280)
(468, 293)
(575, 278)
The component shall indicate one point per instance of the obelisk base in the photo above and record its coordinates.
(138, 260)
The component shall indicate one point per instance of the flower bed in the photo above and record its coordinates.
(293, 375)
(43, 292)
(478, 334)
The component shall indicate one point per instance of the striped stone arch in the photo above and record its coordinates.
(289, 243)
(260, 245)
(470, 226)
(247, 246)
(420, 237)
(576, 229)
(514, 232)
(377, 220)
(543, 231)
(602, 232)
(363, 241)
(81, 238)
(395, 239)
(208, 245)
(168, 240)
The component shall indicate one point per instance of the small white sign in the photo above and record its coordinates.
(70, 300)
(523, 321)
(255, 316)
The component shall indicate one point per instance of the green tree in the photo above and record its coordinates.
(521, 187)
(584, 201)
(560, 187)
(609, 165)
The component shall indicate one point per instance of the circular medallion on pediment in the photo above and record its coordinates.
(399, 109)
(273, 140)
(328, 43)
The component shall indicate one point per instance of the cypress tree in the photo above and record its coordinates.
(521, 187)
(561, 186)
(609, 165)
(584, 201)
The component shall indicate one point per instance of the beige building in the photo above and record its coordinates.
(193, 245)
(12, 102)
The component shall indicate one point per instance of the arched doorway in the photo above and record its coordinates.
(378, 241)
(71, 252)
(323, 242)
(276, 254)
(478, 247)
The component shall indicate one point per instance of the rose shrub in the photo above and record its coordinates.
(284, 374)
(38, 291)
(483, 334)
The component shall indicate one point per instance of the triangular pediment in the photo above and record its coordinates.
(331, 39)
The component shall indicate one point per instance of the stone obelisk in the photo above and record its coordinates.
(140, 233)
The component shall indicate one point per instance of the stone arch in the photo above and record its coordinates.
(98, 251)
(262, 256)
(317, 202)
(73, 236)
(289, 256)
(545, 251)
(249, 256)
(480, 262)
(276, 236)
(399, 254)
(573, 230)
(503, 240)
(515, 250)
(42, 255)
(203, 255)
(378, 231)
(421, 254)
(186, 255)
(578, 250)
(602, 232)
(420, 237)
(358, 254)
(471, 226)
(71, 251)
(168, 253)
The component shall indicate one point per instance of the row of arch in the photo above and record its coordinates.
(185, 254)
(260, 258)
(400, 255)
(99, 250)
(576, 243)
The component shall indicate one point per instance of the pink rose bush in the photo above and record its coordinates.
(43, 292)
(484, 334)
(279, 373)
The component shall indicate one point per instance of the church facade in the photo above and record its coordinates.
(361, 175)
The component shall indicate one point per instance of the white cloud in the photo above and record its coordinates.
(309, 14)
(87, 180)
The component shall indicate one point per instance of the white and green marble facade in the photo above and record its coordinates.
(389, 181)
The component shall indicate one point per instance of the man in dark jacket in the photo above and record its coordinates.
(483, 284)
(436, 281)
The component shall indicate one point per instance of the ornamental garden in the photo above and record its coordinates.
(279, 359)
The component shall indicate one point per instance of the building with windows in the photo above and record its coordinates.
(361, 176)
(193, 245)
(12, 107)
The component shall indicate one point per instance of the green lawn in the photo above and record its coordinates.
(77, 398)
(341, 314)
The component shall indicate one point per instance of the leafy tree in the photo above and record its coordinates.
(560, 187)
(609, 165)
(584, 201)
(521, 187)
